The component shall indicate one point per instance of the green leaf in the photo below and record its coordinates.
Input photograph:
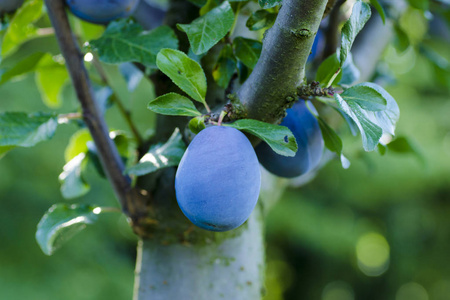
(370, 132)
(351, 124)
(85, 30)
(401, 41)
(120, 141)
(247, 51)
(269, 3)
(186, 73)
(387, 118)
(61, 222)
(26, 65)
(382, 149)
(209, 5)
(40, 44)
(131, 74)
(332, 141)
(350, 72)
(73, 184)
(420, 4)
(5, 149)
(21, 129)
(225, 67)
(327, 69)
(261, 19)
(21, 27)
(160, 156)
(51, 77)
(379, 9)
(403, 145)
(279, 138)
(77, 144)
(127, 42)
(197, 124)
(204, 32)
(360, 15)
(378, 105)
(198, 3)
(366, 95)
(173, 104)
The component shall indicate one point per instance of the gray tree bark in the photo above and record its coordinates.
(216, 267)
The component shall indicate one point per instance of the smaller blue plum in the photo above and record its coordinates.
(7, 6)
(148, 15)
(101, 11)
(306, 130)
(218, 180)
(317, 46)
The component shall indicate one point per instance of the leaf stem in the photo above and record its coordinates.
(236, 16)
(207, 107)
(125, 112)
(333, 78)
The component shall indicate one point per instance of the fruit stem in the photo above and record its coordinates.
(222, 115)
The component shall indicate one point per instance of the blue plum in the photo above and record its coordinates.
(306, 130)
(148, 15)
(102, 11)
(218, 180)
(317, 46)
(9, 5)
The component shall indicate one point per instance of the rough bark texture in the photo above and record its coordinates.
(270, 89)
(220, 267)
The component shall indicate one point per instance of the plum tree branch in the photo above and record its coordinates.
(271, 88)
(109, 156)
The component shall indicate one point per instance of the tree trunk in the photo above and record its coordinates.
(219, 266)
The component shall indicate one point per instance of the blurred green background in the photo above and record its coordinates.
(379, 230)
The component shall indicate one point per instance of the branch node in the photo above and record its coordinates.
(314, 90)
(235, 109)
(302, 33)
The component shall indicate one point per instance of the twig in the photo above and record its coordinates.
(65, 118)
(314, 90)
(332, 30)
(125, 112)
(109, 156)
(329, 7)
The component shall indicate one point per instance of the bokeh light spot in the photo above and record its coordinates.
(338, 290)
(372, 252)
(88, 57)
(411, 291)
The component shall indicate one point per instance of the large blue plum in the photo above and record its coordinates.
(306, 130)
(9, 5)
(218, 180)
(102, 11)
